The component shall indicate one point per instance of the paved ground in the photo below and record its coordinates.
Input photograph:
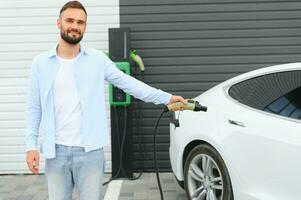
(146, 188)
(33, 187)
(25, 187)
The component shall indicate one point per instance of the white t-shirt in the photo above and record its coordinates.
(68, 112)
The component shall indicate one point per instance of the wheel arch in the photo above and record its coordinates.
(190, 146)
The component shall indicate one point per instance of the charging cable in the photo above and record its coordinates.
(191, 105)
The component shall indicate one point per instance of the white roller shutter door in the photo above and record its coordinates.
(26, 29)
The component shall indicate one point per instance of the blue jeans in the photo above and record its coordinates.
(71, 167)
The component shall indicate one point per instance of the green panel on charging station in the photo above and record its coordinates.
(117, 96)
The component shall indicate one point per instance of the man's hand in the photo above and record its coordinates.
(33, 161)
(175, 99)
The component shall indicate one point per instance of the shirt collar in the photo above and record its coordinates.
(52, 52)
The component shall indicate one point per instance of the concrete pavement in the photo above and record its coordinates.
(33, 187)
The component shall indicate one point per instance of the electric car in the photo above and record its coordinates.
(247, 146)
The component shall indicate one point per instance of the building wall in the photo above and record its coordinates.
(28, 28)
(187, 47)
(190, 46)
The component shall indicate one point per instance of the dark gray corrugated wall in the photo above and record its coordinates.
(189, 46)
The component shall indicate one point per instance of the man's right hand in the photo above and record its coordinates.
(33, 161)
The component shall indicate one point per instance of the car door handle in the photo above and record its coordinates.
(237, 123)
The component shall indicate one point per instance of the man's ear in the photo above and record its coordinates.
(58, 23)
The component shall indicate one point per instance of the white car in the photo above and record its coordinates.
(247, 146)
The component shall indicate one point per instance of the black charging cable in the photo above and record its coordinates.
(121, 145)
(139, 107)
(140, 141)
(155, 154)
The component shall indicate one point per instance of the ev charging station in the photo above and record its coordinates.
(121, 104)
(119, 48)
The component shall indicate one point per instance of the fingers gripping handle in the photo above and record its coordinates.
(191, 105)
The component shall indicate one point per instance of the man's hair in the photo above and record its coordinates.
(73, 4)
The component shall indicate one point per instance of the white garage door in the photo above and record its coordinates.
(28, 27)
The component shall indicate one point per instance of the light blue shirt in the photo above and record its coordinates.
(90, 70)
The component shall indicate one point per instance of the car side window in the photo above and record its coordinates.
(288, 105)
(278, 93)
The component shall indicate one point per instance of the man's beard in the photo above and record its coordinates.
(69, 39)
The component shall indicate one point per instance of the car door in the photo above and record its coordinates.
(264, 142)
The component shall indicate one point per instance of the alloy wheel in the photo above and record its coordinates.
(204, 179)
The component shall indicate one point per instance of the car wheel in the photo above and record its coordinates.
(206, 176)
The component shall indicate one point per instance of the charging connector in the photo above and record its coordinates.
(191, 105)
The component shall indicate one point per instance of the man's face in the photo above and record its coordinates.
(72, 25)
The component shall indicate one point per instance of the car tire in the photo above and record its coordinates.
(206, 176)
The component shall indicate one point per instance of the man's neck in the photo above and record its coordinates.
(67, 51)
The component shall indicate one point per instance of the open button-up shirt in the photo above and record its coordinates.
(90, 70)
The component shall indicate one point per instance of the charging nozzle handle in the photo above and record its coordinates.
(191, 105)
(135, 57)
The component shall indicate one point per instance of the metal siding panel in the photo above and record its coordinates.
(197, 44)
(209, 8)
(215, 25)
(28, 29)
(209, 17)
(220, 51)
(175, 2)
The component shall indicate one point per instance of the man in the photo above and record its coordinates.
(66, 104)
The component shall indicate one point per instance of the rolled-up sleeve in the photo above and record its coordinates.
(133, 86)
(33, 109)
